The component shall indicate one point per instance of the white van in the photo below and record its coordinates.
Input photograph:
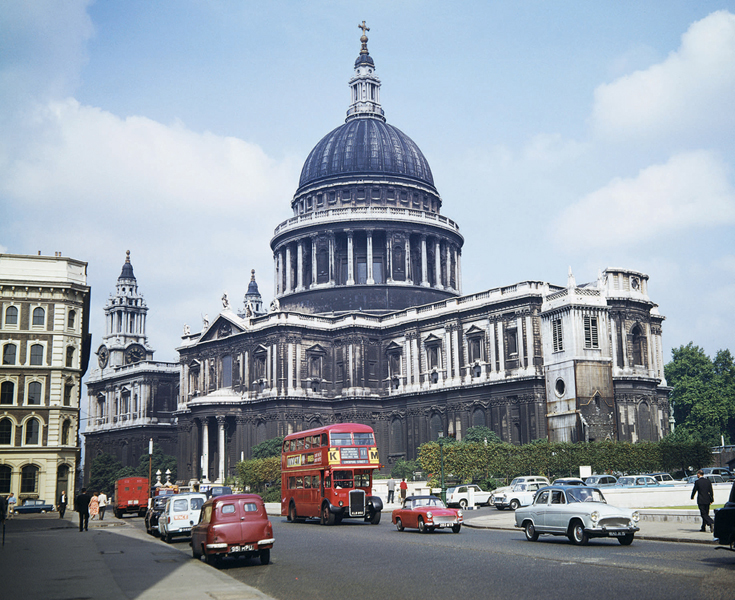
(180, 515)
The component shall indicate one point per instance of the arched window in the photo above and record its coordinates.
(645, 424)
(70, 356)
(65, 428)
(29, 479)
(39, 316)
(435, 427)
(6, 432)
(7, 392)
(36, 355)
(68, 389)
(11, 315)
(72, 319)
(34, 393)
(227, 370)
(639, 345)
(5, 473)
(478, 418)
(260, 433)
(396, 436)
(9, 354)
(33, 431)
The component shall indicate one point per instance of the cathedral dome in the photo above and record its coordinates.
(366, 146)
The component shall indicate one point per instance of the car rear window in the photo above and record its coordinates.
(250, 507)
(228, 509)
(196, 503)
(181, 505)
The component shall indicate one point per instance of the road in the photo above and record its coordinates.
(360, 560)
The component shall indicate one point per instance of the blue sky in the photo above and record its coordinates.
(560, 134)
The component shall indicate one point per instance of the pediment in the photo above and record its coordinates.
(225, 325)
(474, 331)
(316, 349)
(394, 347)
(432, 340)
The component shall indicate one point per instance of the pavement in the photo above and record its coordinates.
(46, 557)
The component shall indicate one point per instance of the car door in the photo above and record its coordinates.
(253, 519)
(538, 510)
(557, 517)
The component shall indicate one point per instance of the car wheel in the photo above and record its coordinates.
(530, 530)
(463, 503)
(514, 504)
(456, 528)
(578, 535)
(399, 524)
(265, 556)
(626, 540)
(168, 538)
(422, 526)
(194, 552)
(212, 559)
(327, 516)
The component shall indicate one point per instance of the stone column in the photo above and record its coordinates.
(221, 448)
(409, 275)
(409, 362)
(624, 344)
(299, 265)
(289, 368)
(370, 280)
(450, 351)
(438, 265)
(416, 359)
(501, 346)
(520, 341)
(350, 259)
(459, 270)
(331, 259)
(449, 266)
(529, 342)
(298, 367)
(491, 344)
(614, 348)
(288, 269)
(276, 285)
(457, 350)
(389, 255)
(649, 351)
(246, 369)
(205, 449)
(424, 263)
(313, 261)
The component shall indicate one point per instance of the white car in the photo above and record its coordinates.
(522, 494)
(459, 495)
(578, 512)
(516, 481)
(180, 515)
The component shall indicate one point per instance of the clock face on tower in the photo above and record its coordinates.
(134, 354)
(103, 355)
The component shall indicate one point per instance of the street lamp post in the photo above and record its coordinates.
(441, 462)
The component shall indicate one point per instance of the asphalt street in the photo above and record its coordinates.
(329, 563)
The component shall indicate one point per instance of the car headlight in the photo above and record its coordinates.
(429, 515)
(636, 516)
(595, 516)
(459, 513)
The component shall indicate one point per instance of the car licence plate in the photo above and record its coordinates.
(618, 533)
(244, 548)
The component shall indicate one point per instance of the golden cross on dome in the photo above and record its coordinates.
(363, 38)
(363, 27)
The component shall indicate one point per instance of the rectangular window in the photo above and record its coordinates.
(557, 335)
(511, 342)
(432, 355)
(9, 354)
(474, 348)
(591, 339)
(227, 371)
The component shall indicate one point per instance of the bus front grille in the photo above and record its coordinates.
(357, 503)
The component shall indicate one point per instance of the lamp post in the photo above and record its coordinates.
(150, 464)
(441, 462)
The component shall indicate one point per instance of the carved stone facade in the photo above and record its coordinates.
(368, 325)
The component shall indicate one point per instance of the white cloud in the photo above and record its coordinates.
(691, 190)
(690, 93)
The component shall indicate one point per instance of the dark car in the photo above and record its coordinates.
(153, 513)
(218, 490)
(233, 525)
(34, 506)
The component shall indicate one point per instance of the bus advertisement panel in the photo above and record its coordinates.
(327, 473)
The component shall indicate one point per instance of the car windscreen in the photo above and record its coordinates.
(584, 495)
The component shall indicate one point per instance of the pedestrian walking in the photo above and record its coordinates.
(391, 490)
(404, 488)
(63, 501)
(102, 500)
(12, 501)
(81, 505)
(3, 510)
(705, 497)
(94, 506)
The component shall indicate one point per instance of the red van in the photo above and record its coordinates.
(234, 525)
(131, 496)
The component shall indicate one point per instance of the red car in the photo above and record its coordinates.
(233, 525)
(426, 513)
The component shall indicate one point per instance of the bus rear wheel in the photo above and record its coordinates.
(292, 516)
(327, 516)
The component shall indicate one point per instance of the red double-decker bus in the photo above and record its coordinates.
(327, 473)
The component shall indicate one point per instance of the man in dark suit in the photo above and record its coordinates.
(705, 497)
(81, 505)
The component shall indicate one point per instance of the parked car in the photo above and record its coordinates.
(34, 506)
(459, 495)
(233, 525)
(218, 490)
(721, 471)
(636, 481)
(578, 512)
(521, 494)
(600, 480)
(153, 513)
(665, 478)
(516, 481)
(568, 481)
(426, 513)
(179, 515)
(712, 478)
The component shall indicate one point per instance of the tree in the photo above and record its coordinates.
(160, 461)
(404, 469)
(481, 434)
(104, 473)
(268, 448)
(703, 395)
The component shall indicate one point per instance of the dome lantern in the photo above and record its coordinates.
(365, 85)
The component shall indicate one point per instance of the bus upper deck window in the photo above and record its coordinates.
(293, 445)
(324, 440)
(364, 439)
(300, 444)
(341, 439)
